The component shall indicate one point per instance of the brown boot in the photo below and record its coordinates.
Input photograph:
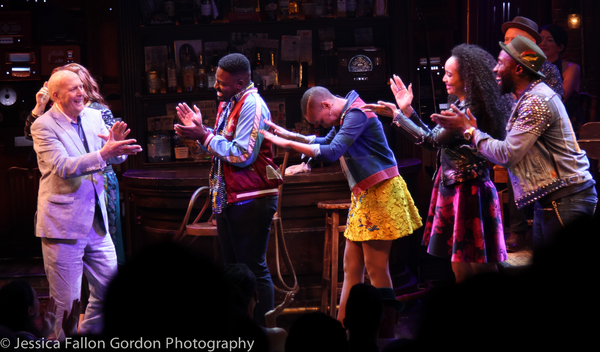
(514, 242)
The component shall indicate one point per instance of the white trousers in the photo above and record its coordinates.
(65, 261)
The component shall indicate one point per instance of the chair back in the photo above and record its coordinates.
(589, 139)
(588, 105)
(197, 228)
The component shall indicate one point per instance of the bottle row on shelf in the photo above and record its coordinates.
(185, 12)
(194, 75)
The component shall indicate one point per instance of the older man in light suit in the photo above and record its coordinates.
(73, 146)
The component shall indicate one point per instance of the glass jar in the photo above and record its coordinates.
(159, 146)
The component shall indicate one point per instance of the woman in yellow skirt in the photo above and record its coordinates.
(382, 208)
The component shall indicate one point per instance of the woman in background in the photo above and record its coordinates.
(554, 43)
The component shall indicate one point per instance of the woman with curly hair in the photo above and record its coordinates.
(94, 100)
(464, 221)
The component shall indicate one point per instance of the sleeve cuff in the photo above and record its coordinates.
(316, 149)
(206, 139)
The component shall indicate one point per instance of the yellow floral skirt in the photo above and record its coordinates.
(385, 211)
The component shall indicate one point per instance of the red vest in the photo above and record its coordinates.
(261, 178)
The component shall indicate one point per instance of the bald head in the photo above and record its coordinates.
(57, 81)
(66, 90)
(313, 97)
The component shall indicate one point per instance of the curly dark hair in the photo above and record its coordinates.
(235, 64)
(482, 93)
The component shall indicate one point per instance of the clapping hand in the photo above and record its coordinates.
(186, 115)
(403, 95)
(272, 315)
(192, 127)
(455, 120)
(48, 317)
(120, 130)
(116, 144)
(70, 320)
(42, 97)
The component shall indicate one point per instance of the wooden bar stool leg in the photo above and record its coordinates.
(335, 237)
(326, 281)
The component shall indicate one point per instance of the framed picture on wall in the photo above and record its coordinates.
(185, 49)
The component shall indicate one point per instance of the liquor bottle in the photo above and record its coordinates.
(294, 9)
(170, 10)
(273, 73)
(204, 11)
(184, 10)
(171, 72)
(212, 72)
(329, 8)
(319, 8)
(217, 10)
(200, 79)
(187, 71)
(180, 148)
(257, 71)
(284, 9)
(380, 8)
(270, 10)
(365, 8)
(351, 8)
(341, 8)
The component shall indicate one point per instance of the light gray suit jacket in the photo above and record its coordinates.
(72, 179)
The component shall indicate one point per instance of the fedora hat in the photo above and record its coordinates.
(526, 53)
(525, 24)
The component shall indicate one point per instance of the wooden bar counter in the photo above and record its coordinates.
(156, 200)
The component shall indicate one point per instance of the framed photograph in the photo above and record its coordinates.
(155, 57)
(193, 48)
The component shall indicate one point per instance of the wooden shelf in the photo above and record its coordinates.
(258, 27)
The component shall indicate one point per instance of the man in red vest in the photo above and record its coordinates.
(243, 178)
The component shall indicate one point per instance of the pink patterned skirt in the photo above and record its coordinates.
(465, 222)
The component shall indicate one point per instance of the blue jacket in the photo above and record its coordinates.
(361, 146)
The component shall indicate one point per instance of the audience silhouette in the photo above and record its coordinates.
(245, 296)
(169, 292)
(316, 332)
(538, 307)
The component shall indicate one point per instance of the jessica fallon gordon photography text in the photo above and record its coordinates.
(88, 344)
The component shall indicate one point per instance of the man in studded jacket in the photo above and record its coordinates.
(546, 166)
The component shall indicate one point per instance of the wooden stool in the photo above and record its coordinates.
(330, 253)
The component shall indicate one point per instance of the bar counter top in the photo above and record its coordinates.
(198, 176)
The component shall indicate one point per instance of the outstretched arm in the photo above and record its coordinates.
(283, 133)
(303, 148)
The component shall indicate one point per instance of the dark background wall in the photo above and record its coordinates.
(430, 28)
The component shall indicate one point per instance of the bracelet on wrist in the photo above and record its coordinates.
(34, 114)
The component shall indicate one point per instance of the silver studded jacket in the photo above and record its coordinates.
(540, 151)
